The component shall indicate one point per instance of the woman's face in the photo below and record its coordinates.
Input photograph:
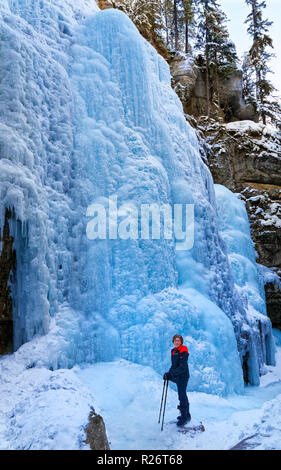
(177, 342)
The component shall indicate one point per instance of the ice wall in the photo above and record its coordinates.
(87, 111)
(132, 140)
(235, 230)
(36, 140)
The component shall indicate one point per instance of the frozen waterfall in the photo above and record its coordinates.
(88, 112)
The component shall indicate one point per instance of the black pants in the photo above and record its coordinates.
(182, 384)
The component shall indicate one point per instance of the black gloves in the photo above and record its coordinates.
(166, 376)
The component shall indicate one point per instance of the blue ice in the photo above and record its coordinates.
(99, 117)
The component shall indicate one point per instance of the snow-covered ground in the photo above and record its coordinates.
(129, 397)
(87, 111)
(44, 409)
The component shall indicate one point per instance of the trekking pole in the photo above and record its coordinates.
(165, 404)
(162, 401)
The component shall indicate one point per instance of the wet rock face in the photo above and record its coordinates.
(232, 101)
(7, 268)
(104, 4)
(264, 208)
(273, 300)
(96, 433)
(246, 158)
(190, 84)
(185, 75)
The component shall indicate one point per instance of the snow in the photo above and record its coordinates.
(268, 275)
(245, 126)
(186, 64)
(43, 409)
(273, 215)
(87, 110)
(267, 143)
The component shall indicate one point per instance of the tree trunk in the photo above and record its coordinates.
(166, 23)
(217, 81)
(207, 60)
(207, 79)
(186, 35)
(257, 68)
(176, 25)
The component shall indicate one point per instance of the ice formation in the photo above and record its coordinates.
(235, 230)
(87, 111)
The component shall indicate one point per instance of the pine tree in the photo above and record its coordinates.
(178, 19)
(188, 21)
(219, 54)
(146, 15)
(176, 24)
(167, 14)
(137, 11)
(249, 86)
(259, 57)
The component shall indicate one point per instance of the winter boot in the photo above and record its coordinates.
(184, 418)
(188, 414)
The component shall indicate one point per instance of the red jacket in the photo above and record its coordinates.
(179, 368)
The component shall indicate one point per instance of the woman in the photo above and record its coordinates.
(179, 374)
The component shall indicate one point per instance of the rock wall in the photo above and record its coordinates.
(7, 268)
(246, 158)
(189, 82)
(104, 4)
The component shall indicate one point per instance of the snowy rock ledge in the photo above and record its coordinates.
(42, 409)
(245, 157)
